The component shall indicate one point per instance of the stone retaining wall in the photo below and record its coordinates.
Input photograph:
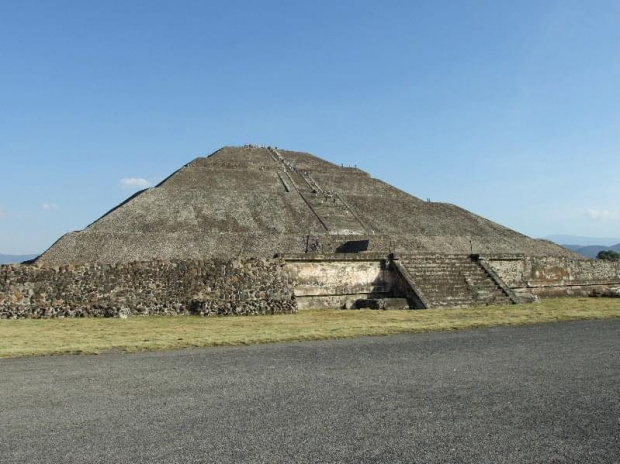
(554, 276)
(337, 281)
(251, 286)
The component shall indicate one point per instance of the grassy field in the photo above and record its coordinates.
(92, 336)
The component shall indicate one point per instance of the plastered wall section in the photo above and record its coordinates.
(555, 276)
(320, 278)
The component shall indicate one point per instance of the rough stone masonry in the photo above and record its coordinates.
(204, 240)
(201, 287)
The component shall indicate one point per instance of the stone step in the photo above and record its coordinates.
(468, 302)
(432, 272)
(458, 282)
(454, 288)
(449, 277)
(439, 268)
(453, 281)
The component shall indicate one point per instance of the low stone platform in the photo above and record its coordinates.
(201, 287)
(292, 282)
(430, 280)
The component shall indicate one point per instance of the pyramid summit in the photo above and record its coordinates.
(260, 201)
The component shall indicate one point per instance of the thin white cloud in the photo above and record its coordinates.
(133, 182)
(603, 215)
(49, 206)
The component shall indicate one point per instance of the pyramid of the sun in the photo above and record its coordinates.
(250, 201)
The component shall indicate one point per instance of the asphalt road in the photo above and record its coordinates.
(545, 393)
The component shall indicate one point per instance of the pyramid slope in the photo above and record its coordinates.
(248, 201)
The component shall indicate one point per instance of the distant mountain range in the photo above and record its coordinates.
(592, 251)
(583, 241)
(586, 246)
(11, 259)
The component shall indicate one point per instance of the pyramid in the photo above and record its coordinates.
(259, 202)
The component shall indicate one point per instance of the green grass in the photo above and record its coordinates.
(27, 337)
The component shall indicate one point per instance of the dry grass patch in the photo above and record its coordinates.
(91, 336)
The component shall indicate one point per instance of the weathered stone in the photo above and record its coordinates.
(555, 276)
(257, 202)
(606, 292)
(202, 241)
(142, 288)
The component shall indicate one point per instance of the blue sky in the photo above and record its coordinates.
(510, 109)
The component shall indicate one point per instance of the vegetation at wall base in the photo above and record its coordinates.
(36, 337)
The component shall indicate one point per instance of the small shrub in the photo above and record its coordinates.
(608, 255)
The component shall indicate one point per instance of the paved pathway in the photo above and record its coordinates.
(546, 393)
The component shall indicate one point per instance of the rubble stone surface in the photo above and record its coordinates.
(201, 287)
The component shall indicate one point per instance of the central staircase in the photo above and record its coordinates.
(334, 214)
(452, 281)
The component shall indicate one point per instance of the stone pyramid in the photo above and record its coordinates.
(258, 202)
